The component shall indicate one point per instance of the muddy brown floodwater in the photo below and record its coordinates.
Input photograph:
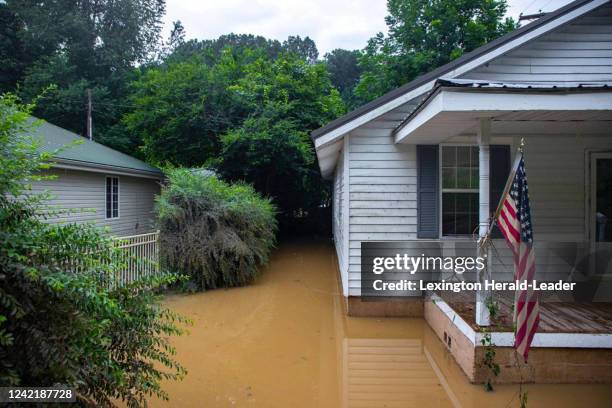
(285, 342)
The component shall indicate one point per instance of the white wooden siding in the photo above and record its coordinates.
(557, 166)
(557, 188)
(382, 192)
(338, 224)
(577, 52)
(382, 187)
(85, 194)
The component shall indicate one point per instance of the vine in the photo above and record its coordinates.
(488, 360)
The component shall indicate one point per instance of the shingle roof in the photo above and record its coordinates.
(89, 153)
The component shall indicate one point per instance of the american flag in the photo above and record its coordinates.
(514, 221)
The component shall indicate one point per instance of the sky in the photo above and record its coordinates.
(330, 23)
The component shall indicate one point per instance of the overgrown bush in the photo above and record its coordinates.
(216, 233)
(62, 327)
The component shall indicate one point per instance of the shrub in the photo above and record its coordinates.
(62, 327)
(216, 233)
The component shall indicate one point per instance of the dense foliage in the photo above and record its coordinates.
(344, 73)
(424, 35)
(216, 233)
(241, 104)
(243, 112)
(62, 327)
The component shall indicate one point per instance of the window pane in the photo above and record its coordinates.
(463, 156)
(459, 213)
(474, 156)
(463, 177)
(462, 203)
(448, 203)
(475, 182)
(448, 224)
(462, 226)
(448, 156)
(448, 177)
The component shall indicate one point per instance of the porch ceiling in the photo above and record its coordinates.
(454, 111)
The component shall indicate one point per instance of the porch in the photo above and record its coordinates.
(568, 156)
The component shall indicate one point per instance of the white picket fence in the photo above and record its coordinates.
(138, 256)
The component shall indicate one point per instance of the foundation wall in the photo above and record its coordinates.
(546, 365)
(384, 307)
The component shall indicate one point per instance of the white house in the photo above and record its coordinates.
(427, 162)
(100, 185)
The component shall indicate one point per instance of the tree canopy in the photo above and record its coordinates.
(424, 35)
(241, 104)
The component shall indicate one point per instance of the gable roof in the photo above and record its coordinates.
(89, 154)
(472, 56)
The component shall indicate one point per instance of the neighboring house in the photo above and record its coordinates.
(407, 166)
(101, 185)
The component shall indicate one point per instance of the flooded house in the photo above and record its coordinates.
(424, 166)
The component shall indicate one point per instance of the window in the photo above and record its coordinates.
(459, 170)
(112, 197)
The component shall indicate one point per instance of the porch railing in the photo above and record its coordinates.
(138, 257)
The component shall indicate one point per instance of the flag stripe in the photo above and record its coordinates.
(514, 221)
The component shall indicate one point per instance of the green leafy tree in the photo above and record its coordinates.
(181, 109)
(424, 35)
(212, 50)
(288, 98)
(344, 73)
(59, 326)
(275, 155)
(304, 47)
(236, 115)
(78, 45)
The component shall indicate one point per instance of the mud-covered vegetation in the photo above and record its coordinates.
(216, 233)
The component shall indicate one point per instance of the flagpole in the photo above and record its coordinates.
(507, 188)
(485, 240)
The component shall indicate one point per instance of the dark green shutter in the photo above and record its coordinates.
(427, 191)
(499, 168)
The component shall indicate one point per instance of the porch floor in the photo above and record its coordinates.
(555, 317)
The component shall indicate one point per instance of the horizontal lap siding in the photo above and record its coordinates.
(578, 52)
(382, 193)
(84, 193)
(338, 215)
(556, 175)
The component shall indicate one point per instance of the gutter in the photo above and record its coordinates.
(491, 87)
(60, 163)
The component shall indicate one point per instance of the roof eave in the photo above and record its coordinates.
(424, 79)
(102, 168)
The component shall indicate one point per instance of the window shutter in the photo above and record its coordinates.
(499, 169)
(427, 191)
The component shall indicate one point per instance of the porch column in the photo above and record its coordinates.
(484, 137)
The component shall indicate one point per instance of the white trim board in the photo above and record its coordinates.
(541, 340)
(58, 165)
(467, 106)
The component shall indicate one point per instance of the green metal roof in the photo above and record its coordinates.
(88, 153)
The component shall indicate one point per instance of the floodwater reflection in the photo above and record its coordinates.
(285, 342)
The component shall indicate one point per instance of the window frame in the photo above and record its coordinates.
(106, 180)
(442, 190)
